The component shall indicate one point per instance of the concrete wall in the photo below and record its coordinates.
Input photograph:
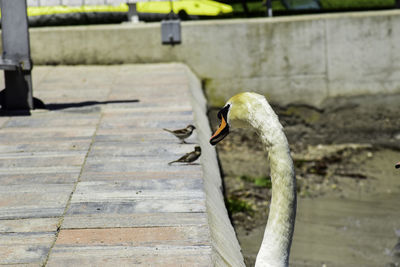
(226, 248)
(300, 59)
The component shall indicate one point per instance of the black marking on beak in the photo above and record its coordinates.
(223, 129)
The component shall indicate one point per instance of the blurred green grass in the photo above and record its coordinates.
(238, 205)
(357, 4)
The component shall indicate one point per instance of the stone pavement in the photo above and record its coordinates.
(86, 183)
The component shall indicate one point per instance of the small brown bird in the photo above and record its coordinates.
(397, 165)
(182, 134)
(189, 157)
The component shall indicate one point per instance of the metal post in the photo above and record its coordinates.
(269, 8)
(16, 52)
(133, 15)
(171, 6)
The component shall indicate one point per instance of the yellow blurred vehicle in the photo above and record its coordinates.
(189, 7)
(147, 11)
(184, 8)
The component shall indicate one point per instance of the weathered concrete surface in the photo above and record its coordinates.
(297, 59)
(87, 183)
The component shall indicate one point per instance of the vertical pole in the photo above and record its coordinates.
(269, 8)
(18, 92)
(16, 48)
(133, 15)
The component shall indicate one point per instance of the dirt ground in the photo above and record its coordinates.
(344, 152)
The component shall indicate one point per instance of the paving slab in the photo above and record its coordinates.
(87, 181)
(25, 248)
(29, 225)
(131, 256)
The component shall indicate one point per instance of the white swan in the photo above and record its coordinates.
(253, 110)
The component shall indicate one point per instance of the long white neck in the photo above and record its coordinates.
(275, 247)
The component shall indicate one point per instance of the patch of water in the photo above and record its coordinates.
(356, 228)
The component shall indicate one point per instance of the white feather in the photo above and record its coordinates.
(257, 113)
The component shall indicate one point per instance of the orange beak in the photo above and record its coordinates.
(222, 131)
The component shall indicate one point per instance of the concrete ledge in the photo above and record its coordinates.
(297, 59)
(227, 250)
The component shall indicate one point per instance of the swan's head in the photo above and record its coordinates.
(236, 113)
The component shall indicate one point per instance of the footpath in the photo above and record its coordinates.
(86, 182)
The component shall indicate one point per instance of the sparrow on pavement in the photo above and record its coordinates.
(189, 157)
(182, 134)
